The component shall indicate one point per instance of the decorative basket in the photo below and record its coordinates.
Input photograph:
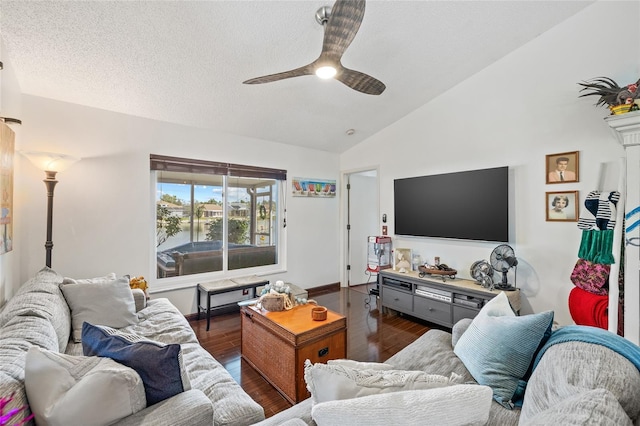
(436, 271)
(272, 302)
(319, 313)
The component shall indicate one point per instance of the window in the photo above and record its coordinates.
(214, 217)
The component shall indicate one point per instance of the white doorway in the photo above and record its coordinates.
(361, 191)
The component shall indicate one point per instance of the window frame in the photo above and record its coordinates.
(228, 171)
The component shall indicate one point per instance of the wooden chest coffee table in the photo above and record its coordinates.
(276, 344)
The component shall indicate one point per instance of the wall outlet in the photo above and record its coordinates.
(384, 230)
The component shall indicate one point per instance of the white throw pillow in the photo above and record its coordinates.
(107, 303)
(74, 390)
(361, 365)
(97, 280)
(332, 382)
(450, 406)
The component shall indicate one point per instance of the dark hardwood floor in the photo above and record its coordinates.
(371, 336)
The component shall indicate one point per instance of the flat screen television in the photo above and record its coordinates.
(470, 205)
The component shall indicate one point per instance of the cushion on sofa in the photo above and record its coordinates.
(21, 333)
(451, 405)
(458, 330)
(46, 280)
(139, 298)
(16, 337)
(160, 366)
(498, 348)
(111, 276)
(594, 407)
(432, 353)
(572, 368)
(41, 297)
(108, 303)
(332, 382)
(64, 389)
(294, 422)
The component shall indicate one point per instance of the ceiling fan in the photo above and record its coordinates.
(341, 23)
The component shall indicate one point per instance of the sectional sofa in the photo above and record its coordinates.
(38, 347)
(571, 376)
(574, 375)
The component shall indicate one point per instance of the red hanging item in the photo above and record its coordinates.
(588, 308)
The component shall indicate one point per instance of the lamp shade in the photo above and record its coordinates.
(50, 161)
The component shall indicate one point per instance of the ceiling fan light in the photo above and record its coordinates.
(326, 72)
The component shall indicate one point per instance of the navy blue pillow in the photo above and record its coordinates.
(160, 366)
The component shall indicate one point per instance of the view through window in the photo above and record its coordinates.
(214, 216)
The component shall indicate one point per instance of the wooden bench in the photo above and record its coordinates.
(212, 288)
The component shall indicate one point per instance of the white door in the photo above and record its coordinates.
(362, 222)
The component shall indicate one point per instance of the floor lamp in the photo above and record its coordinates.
(51, 163)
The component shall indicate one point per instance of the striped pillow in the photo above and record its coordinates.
(498, 348)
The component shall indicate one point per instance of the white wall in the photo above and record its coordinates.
(102, 220)
(513, 113)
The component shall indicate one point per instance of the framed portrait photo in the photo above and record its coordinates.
(402, 259)
(563, 167)
(562, 206)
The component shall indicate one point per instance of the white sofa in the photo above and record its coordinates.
(38, 315)
(581, 376)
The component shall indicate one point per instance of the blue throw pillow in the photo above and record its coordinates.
(160, 366)
(498, 348)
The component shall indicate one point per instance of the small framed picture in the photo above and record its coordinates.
(562, 206)
(563, 167)
(402, 259)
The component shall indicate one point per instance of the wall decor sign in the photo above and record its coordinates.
(7, 138)
(305, 187)
(563, 167)
(562, 206)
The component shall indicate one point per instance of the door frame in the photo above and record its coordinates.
(344, 217)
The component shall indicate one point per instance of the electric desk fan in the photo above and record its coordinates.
(482, 272)
(502, 259)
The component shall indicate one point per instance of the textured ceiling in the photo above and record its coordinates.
(184, 61)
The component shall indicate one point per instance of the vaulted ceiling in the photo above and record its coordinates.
(184, 61)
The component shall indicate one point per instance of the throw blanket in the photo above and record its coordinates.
(589, 309)
(572, 333)
(597, 246)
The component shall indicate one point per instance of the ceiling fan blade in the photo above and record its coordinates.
(306, 70)
(341, 28)
(361, 82)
